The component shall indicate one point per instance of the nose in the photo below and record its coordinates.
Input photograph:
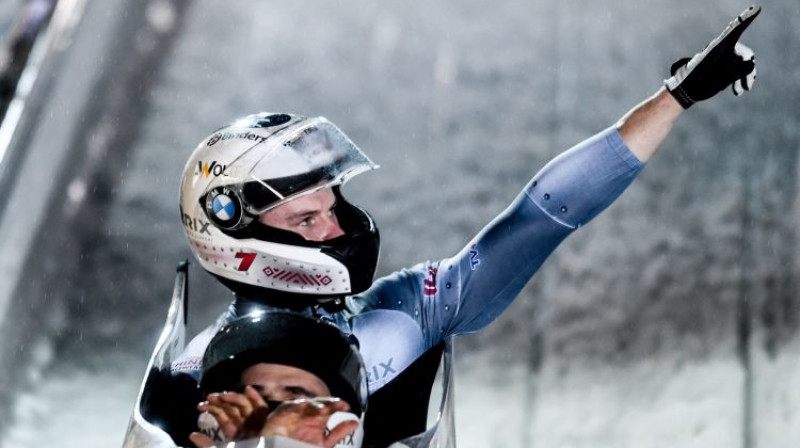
(329, 229)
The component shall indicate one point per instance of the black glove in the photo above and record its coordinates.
(722, 62)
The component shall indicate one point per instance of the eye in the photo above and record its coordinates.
(259, 388)
(298, 391)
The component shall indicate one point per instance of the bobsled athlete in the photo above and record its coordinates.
(263, 210)
(282, 374)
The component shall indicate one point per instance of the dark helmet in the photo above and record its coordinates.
(260, 162)
(281, 337)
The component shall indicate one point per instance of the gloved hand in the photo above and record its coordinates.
(722, 62)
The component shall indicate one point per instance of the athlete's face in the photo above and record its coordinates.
(310, 216)
(277, 382)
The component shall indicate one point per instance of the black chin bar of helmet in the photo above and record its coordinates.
(358, 249)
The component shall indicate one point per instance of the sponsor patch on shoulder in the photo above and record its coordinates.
(474, 257)
(187, 365)
(429, 283)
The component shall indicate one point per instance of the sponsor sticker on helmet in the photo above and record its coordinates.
(224, 208)
(199, 226)
(223, 136)
(209, 169)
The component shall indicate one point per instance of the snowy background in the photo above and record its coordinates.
(669, 321)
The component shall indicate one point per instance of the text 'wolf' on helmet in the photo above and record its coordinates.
(255, 164)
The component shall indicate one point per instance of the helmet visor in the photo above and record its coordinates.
(300, 161)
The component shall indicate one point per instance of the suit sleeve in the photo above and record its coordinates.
(486, 275)
(465, 293)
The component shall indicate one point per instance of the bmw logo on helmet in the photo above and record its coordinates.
(224, 208)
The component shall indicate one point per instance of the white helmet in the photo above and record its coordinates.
(257, 163)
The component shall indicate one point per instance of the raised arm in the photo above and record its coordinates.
(468, 291)
(581, 182)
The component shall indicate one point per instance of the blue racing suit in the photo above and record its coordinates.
(405, 313)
